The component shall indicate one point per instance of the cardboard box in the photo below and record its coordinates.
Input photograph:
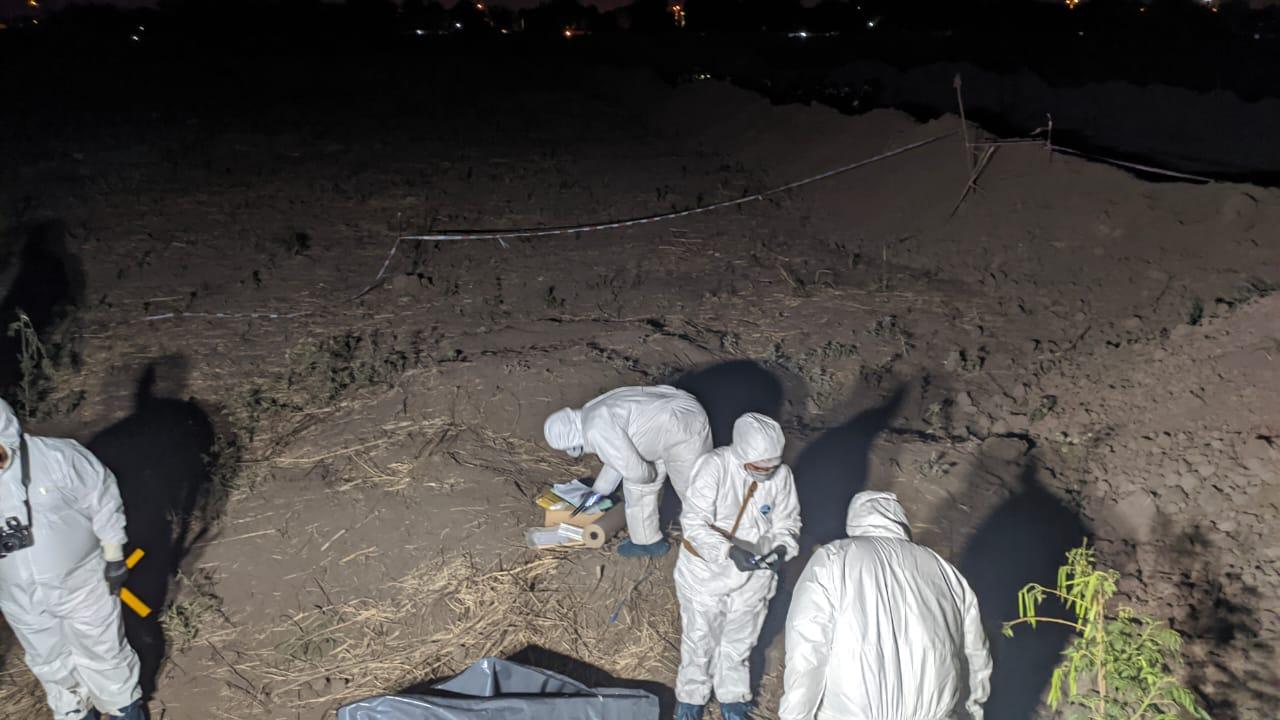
(555, 517)
(597, 527)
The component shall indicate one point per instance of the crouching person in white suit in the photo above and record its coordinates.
(642, 435)
(61, 568)
(883, 629)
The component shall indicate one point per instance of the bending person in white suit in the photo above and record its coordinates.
(642, 435)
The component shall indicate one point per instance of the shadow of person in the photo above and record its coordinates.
(1024, 540)
(47, 284)
(729, 390)
(828, 472)
(1225, 619)
(726, 391)
(159, 455)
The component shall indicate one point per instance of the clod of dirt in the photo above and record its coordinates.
(1137, 514)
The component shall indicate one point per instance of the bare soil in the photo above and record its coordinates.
(1073, 352)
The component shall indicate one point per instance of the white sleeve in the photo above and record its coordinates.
(978, 655)
(614, 448)
(699, 513)
(810, 628)
(607, 481)
(785, 516)
(93, 489)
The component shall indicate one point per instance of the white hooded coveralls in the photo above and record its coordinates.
(642, 435)
(883, 629)
(722, 608)
(53, 594)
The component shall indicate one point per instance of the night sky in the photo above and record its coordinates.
(15, 7)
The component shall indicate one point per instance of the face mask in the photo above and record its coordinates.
(574, 452)
(761, 475)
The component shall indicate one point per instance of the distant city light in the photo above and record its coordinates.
(871, 24)
(33, 3)
(458, 25)
(677, 14)
(1072, 4)
(419, 31)
(135, 38)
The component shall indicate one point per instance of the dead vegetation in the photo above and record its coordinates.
(441, 617)
(20, 693)
(195, 612)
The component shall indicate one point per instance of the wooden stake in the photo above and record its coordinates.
(973, 179)
(964, 125)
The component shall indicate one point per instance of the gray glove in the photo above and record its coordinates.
(115, 574)
(775, 557)
(743, 559)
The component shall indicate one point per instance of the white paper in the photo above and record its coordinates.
(572, 491)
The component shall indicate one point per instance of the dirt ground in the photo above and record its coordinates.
(1074, 351)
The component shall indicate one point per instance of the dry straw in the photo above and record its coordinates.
(440, 618)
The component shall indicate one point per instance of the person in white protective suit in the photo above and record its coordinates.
(741, 521)
(642, 435)
(58, 593)
(881, 628)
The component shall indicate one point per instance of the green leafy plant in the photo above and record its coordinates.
(1121, 664)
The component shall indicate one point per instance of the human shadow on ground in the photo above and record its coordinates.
(726, 391)
(1025, 539)
(828, 472)
(47, 284)
(1223, 616)
(729, 390)
(160, 456)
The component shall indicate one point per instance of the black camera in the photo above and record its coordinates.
(14, 537)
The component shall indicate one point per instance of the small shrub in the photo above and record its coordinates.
(1121, 664)
(1197, 312)
(34, 366)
